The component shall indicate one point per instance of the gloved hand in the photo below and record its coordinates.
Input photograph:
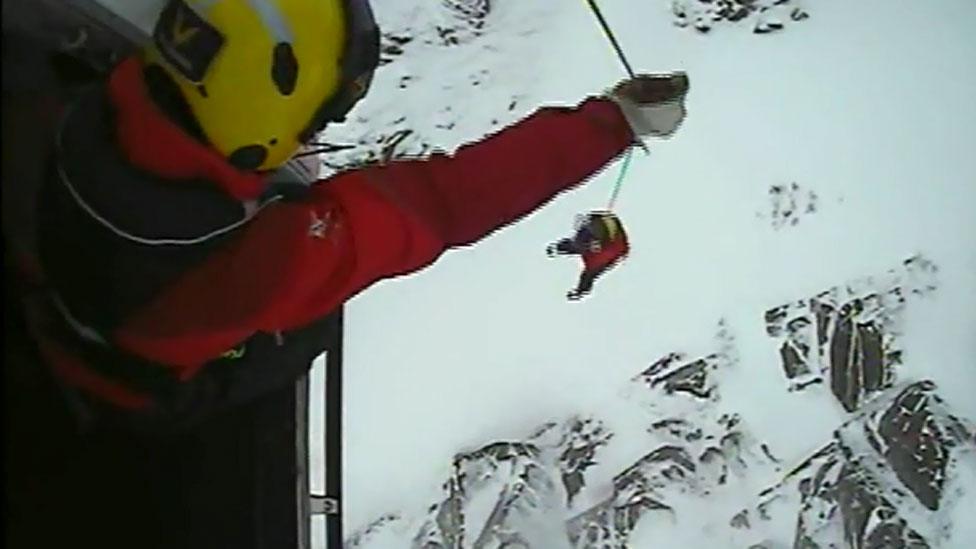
(575, 295)
(653, 104)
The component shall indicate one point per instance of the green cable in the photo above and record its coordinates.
(620, 179)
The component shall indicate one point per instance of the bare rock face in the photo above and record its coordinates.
(609, 523)
(849, 336)
(699, 457)
(883, 480)
(578, 447)
(512, 494)
(917, 437)
(510, 477)
(695, 448)
(676, 375)
(844, 505)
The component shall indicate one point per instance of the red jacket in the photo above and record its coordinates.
(609, 254)
(295, 262)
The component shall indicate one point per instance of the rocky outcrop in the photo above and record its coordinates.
(849, 336)
(763, 16)
(883, 479)
(887, 478)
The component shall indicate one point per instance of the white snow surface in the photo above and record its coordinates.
(869, 103)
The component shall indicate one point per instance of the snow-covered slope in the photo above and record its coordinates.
(817, 207)
(896, 473)
(448, 77)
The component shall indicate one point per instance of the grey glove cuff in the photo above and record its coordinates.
(651, 119)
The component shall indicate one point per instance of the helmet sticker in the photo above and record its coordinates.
(186, 40)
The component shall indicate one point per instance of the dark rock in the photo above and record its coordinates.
(768, 453)
(740, 520)
(399, 40)
(660, 365)
(850, 333)
(858, 366)
(858, 495)
(581, 442)
(392, 50)
(691, 379)
(915, 446)
(766, 28)
(859, 500)
(738, 14)
(774, 320)
(674, 377)
(798, 14)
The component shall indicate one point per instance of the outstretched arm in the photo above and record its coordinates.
(495, 181)
(297, 262)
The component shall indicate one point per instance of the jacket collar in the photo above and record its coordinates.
(154, 143)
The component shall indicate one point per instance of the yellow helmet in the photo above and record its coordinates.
(260, 77)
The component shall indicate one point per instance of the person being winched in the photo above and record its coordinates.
(600, 241)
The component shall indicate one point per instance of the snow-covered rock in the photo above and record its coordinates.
(889, 478)
(521, 493)
(892, 475)
(848, 336)
(450, 54)
(765, 16)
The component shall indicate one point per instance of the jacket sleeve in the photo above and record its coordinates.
(298, 261)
